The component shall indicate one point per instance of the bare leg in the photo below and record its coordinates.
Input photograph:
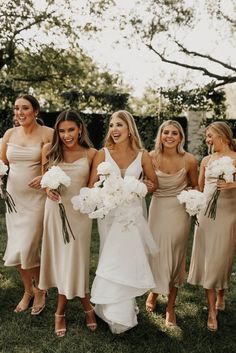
(26, 279)
(211, 300)
(60, 323)
(39, 295)
(88, 309)
(170, 309)
(34, 274)
(28, 290)
(220, 300)
(151, 302)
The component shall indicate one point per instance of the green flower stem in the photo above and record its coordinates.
(66, 228)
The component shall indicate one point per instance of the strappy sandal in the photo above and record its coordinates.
(92, 326)
(39, 301)
(60, 332)
(24, 303)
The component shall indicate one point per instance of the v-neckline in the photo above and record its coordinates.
(122, 168)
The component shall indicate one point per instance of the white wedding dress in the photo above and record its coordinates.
(123, 271)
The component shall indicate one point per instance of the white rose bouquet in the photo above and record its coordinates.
(111, 191)
(222, 168)
(54, 179)
(4, 194)
(194, 201)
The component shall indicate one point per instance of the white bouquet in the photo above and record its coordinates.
(4, 194)
(111, 191)
(194, 201)
(222, 168)
(54, 179)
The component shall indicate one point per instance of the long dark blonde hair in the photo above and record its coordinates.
(134, 137)
(223, 130)
(55, 154)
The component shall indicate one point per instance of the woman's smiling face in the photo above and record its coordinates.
(118, 130)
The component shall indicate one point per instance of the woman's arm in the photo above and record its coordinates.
(47, 134)
(98, 158)
(35, 183)
(46, 148)
(149, 172)
(51, 194)
(91, 153)
(222, 185)
(5, 140)
(201, 178)
(192, 167)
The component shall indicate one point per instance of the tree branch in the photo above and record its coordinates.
(39, 19)
(224, 79)
(208, 57)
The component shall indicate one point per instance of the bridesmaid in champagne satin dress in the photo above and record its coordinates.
(169, 223)
(215, 239)
(21, 150)
(66, 266)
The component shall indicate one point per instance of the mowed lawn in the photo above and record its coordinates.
(23, 333)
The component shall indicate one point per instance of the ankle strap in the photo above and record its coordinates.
(58, 315)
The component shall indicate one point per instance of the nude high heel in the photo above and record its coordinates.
(24, 302)
(92, 326)
(39, 301)
(60, 332)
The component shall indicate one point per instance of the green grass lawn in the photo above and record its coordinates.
(23, 333)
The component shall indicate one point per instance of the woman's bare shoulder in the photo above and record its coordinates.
(190, 158)
(47, 133)
(205, 161)
(46, 147)
(92, 152)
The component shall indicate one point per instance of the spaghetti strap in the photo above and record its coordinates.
(184, 166)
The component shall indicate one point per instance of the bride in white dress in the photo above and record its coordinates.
(123, 271)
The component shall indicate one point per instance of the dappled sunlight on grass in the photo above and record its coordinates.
(6, 283)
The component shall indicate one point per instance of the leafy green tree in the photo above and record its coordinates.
(172, 102)
(35, 45)
(67, 78)
(22, 20)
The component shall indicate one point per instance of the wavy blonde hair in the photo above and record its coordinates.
(158, 145)
(223, 130)
(134, 137)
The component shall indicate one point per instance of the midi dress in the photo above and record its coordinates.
(24, 227)
(66, 266)
(170, 226)
(214, 241)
